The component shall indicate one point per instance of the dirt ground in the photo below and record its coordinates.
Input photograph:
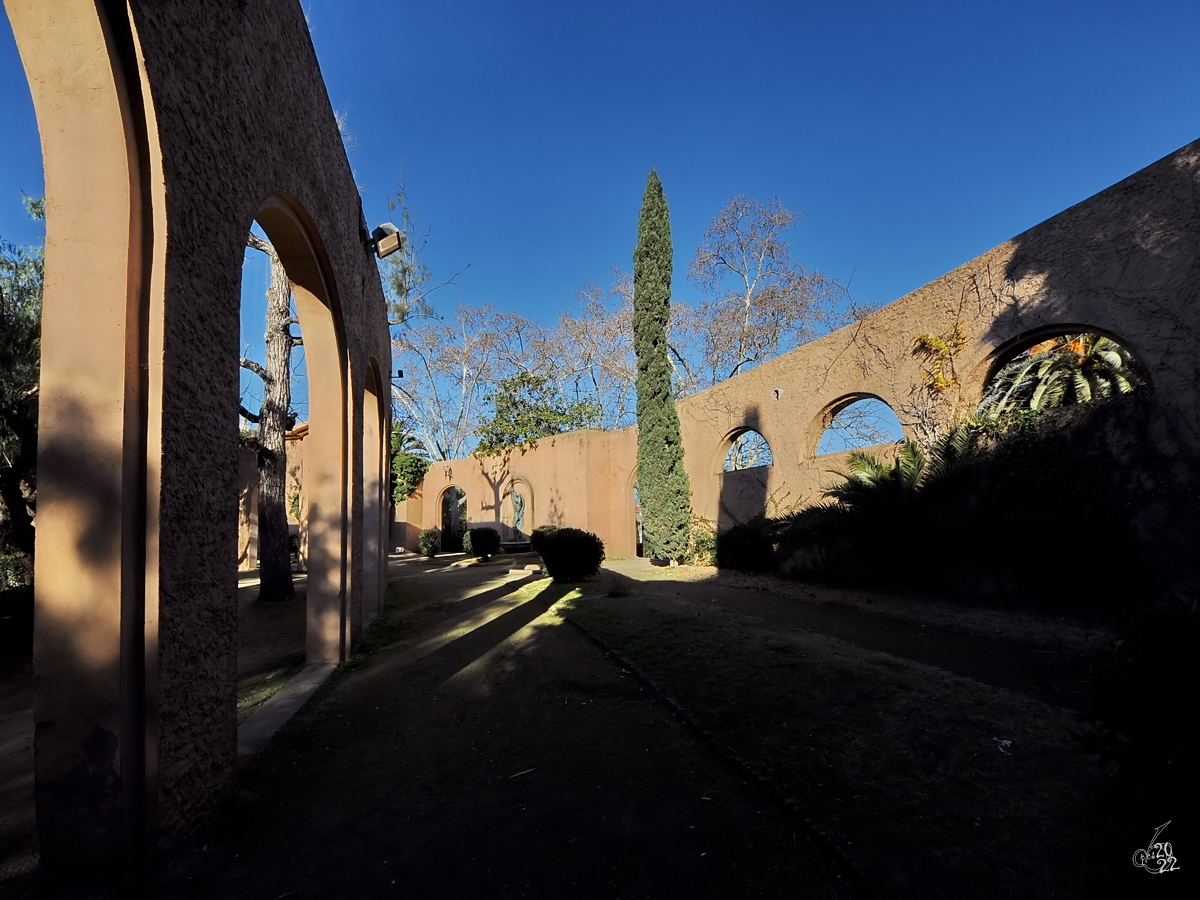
(842, 744)
(512, 760)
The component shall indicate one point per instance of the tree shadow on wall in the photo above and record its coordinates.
(77, 649)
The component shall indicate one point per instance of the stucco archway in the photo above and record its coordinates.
(135, 634)
(374, 487)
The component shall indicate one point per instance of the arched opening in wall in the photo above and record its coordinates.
(375, 507)
(22, 241)
(318, 449)
(517, 510)
(1059, 368)
(855, 423)
(272, 508)
(634, 514)
(745, 473)
(454, 518)
(749, 450)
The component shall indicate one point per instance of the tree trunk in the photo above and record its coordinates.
(274, 545)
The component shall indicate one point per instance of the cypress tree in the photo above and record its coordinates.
(663, 487)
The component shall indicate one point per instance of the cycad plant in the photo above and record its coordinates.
(1080, 368)
(872, 523)
(852, 535)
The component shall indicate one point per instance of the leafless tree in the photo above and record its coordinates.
(273, 422)
(761, 302)
(594, 356)
(451, 367)
(406, 279)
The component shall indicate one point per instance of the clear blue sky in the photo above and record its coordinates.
(914, 136)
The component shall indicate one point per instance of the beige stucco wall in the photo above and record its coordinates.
(583, 479)
(168, 128)
(1123, 262)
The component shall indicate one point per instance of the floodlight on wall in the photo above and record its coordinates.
(446, 469)
(387, 239)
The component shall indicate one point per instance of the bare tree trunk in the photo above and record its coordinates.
(274, 546)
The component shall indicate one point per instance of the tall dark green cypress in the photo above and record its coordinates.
(663, 487)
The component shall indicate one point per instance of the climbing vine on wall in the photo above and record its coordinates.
(939, 351)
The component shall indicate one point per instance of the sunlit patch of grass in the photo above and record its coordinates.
(256, 690)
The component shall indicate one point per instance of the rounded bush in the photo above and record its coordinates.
(429, 542)
(540, 534)
(481, 542)
(571, 554)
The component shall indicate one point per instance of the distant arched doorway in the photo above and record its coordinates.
(454, 519)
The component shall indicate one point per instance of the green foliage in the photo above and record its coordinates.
(997, 508)
(1078, 368)
(702, 543)
(663, 486)
(408, 471)
(21, 273)
(20, 336)
(526, 407)
(293, 502)
(539, 535)
(571, 554)
(16, 571)
(410, 462)
(482, 542)
(429, 542)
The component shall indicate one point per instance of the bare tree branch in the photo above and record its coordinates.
(253, 367)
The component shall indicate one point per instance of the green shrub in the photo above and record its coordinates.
(702, 544)
(481, 542)
(429, 542)
(748, 547)
(571, 554)
(540, 534)
(16, 570)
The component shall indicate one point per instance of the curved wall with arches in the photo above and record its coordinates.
(195, 124)
(1119, 264)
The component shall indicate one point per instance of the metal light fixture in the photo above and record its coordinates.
(446, 469)
(387, 239)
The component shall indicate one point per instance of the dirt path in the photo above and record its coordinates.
(486, 749)
(512, 760)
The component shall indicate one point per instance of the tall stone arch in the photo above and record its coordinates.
(190, 117)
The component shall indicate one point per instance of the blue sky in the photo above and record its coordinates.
(914, 136)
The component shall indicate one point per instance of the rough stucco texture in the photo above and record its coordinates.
(242, 114)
